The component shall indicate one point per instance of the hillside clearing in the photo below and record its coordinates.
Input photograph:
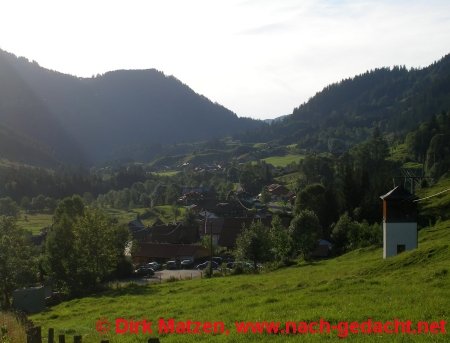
(283, 161)
(35, 222)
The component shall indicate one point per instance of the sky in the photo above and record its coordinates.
(259, 58)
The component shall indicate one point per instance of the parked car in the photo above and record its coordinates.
(171, 265)
(186, 264)
(144, 271)
(204, 265)
(154, 265)
(217, 259)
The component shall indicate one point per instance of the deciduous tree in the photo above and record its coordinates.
(254, 244)
(17, 264)
(305, 231)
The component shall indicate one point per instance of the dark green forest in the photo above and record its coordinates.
(393, 99)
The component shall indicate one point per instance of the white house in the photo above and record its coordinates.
(399, 222)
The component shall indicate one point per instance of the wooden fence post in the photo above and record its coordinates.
(76, 339)
(34, 335)
(51, 335)
(62, 339)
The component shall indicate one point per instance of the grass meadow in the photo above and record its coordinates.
(283, 161)
(34, 222)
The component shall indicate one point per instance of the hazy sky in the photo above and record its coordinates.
(259, 58)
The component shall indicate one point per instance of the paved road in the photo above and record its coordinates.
(162, 275)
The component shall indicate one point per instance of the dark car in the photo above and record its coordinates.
(144, 271)
(170, 265)
(218, 260)
(204, 265)
(186, 264)
(154, 265)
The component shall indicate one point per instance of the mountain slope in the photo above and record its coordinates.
(90, 119)
(20, 148)
(394, 99)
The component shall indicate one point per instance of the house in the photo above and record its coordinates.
(137, 229)
(226, 230)
(232, 227)
(213, 225)
(399, 222)
(161, 252)
(172, 233)
(278, 192)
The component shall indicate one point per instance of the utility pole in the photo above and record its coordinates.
(414, 176)
(210, 242)
(211, 247)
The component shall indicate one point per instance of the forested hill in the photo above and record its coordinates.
(20, 148)
(394, 99)
(104, 117)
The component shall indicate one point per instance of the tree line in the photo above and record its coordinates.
(83, 249)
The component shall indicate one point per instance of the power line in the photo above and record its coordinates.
(433, 195)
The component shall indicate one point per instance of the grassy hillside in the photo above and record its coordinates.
(283, 161)
(35, 222)
(354, 287)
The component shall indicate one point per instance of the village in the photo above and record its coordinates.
(179, 245)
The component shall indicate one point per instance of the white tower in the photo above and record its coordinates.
(399, 222)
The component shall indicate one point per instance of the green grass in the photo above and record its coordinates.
(165, 213)
(436, 206)
(283, 161)
(123, 216)
(34, 222)
(289, 179)
(168, 173)
(399, 153)
(354, 287)
(412, 165)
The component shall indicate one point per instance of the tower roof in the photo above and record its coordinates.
(398, 193)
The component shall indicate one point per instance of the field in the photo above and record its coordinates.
(168, 173)
(34, 222)
(124, 216)
(283, 161)
(354, 287)
(37, 221)
(289, 179)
